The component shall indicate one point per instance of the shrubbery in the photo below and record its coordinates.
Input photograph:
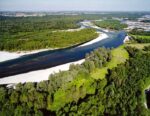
(110, 24)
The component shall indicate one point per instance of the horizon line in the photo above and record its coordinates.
(72, 11)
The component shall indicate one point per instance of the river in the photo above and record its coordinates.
(51, 58)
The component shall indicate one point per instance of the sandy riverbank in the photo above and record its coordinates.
(99, 38)
(90, 24)
(71, 30)
(4, 55)
(37, 76)
(126, 39)
(40, 75)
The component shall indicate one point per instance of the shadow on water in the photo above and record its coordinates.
(48, 59)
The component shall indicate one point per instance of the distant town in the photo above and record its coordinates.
(141, 23)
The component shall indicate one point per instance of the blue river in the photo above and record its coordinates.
(51, 58)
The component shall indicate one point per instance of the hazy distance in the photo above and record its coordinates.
(74, 5)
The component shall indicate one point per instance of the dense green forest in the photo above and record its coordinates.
(14, 31)
(110, 24)
(46, 39)
(140, 36)
(30, 33)
(13, 25)
(109, 82)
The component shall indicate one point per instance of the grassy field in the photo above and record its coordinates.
(119, 55)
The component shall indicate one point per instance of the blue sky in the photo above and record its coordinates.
(75, 5)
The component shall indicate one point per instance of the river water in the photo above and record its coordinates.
(51, 58)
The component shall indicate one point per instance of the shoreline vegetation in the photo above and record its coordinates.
(35, 76)
(15, 37)
(110, 24)
(5, 55)
(106, 82)
(46, 72)
(31, 33)
(47, 39)
(100, 78)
